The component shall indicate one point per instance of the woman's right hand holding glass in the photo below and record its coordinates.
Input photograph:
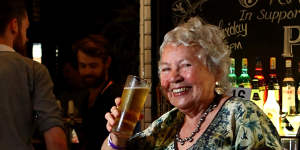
(116, 138)
(112, 115)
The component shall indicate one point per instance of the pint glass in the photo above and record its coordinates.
(132, 101)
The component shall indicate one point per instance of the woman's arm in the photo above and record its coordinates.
(114, 141)
(105, 145)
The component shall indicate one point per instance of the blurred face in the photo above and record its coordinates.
(91, 69)
(185, 80)
(21, 38)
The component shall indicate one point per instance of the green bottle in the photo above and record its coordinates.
(232, 76)
(244, 78)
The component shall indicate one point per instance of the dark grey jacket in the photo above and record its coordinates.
(26, 100)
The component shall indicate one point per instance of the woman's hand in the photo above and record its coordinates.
(116, 138)
(112, 115)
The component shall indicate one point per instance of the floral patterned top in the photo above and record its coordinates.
(239, 125)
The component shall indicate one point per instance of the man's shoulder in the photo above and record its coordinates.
(20, 60)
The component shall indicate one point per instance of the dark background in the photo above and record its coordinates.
(57, 24)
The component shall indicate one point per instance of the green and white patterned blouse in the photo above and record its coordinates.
(239, 125)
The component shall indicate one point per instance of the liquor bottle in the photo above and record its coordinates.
(272, 108)
(288, 89)
(232, 76)
(256, 96)
(273, 80)
(244, 78)
(298, 89)
(261, 79)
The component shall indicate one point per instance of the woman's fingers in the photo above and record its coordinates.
(110, 121)
(112, 115)
(115, 112)
(118, 101)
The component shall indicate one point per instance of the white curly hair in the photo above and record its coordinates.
(211, 39)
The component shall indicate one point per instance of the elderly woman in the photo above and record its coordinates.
(193, 73)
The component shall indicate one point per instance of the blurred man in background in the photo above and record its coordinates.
(27, 100)
(94, 61)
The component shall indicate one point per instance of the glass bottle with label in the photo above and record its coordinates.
(298, 89)
(272, 108)
(288, 89)
(232, 76)
(244, 78)
(261, 79)
(256, 96)
(273, 80)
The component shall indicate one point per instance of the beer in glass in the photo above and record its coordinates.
(132, 101)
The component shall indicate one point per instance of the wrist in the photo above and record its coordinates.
(113, 144)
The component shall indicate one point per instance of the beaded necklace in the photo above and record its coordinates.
(210, 108)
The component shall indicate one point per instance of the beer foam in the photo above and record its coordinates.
(136, 87)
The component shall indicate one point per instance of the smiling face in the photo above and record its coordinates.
(185, 80)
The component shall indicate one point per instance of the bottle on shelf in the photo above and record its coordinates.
(273, 82)
(288, 89)
(298, 88)
(256, 96)
(244, 78)
(261, 79)
(272, 108)
(232, 76)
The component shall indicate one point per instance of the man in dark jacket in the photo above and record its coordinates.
(94, 62)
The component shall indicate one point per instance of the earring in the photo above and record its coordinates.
(218, 89)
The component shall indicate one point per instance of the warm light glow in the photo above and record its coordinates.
(272, 75)
(259, 77)
(37, 52)
(56, 52)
